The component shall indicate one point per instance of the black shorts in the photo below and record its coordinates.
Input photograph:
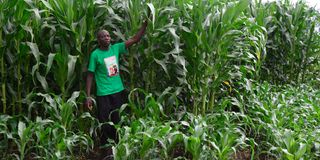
(107, 104)
(107, 110)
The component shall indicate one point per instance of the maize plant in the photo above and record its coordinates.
(292, 40)
(224, 79)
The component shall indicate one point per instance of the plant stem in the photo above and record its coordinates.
(13, 100)
(152, 78)
(152, 75)
(19, 87)
(204, 98)
(19, 77)
(212, 98)
(131, 69)
(3, 77)
(307, 50)
(293, 58)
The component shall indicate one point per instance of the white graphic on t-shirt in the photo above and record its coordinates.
(112, 66)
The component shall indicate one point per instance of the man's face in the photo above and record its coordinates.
(104, 38)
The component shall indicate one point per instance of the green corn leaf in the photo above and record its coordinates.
(193, 145)
(83, 28)
(48, 99)
(21, 129)
(176, 39)
(198, 131)
(36, 13)
(147, 143)
(301, 151)
(287, 154)
(163, 64)
(35, 50)
(153, 12)
(128, 151)
(42, 81)
(71, 65)
(49, 63)
(72, 99)
(118, 33)
(67, 115)
(28, 29)
(47, 4)
(185, 123)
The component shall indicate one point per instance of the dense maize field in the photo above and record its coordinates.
(211, 79)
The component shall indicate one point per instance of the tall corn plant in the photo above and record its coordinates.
(159, 52)
(58, 34)
(217, 43)
(18, 33)
(189, 43)
(146, 60)
(72, 26)
(3, 73)
(291, 40)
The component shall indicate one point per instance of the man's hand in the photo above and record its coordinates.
(88, 103)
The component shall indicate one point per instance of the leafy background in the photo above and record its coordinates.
(210, 79)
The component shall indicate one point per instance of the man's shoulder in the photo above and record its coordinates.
(95, 51)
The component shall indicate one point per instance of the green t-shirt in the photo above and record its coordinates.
(105, 66)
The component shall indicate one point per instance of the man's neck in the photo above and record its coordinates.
(105, 48)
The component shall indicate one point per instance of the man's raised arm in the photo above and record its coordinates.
(138, 36)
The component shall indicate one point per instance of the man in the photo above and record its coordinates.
(104, 68)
